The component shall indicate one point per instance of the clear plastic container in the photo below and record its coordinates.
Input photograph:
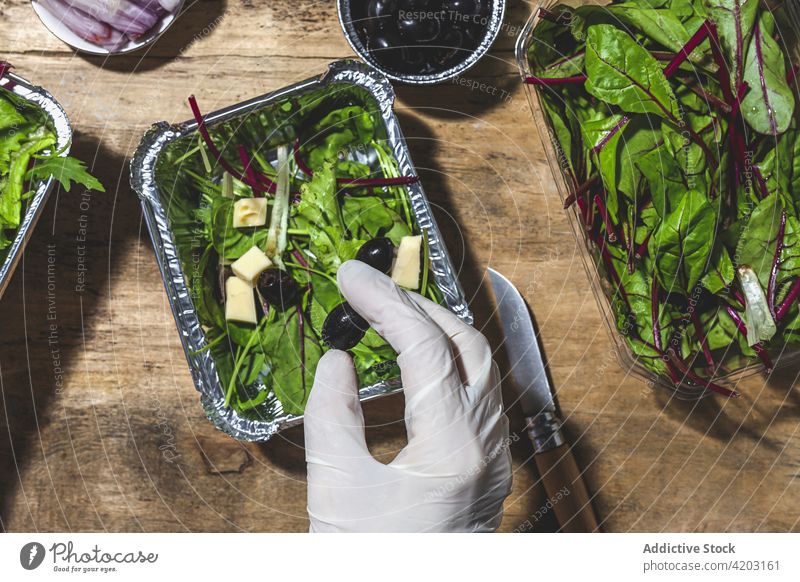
(781, 354)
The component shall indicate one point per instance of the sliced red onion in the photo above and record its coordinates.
(760, 325)
(169, 5)
(152, 6)
(124, 15)
(84, 25)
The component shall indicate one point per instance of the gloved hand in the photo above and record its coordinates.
(455, 471)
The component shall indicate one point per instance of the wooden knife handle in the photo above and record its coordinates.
(566, 490)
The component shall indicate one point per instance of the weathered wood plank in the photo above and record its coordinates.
(101, 425)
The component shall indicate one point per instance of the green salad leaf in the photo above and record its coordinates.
(27, 158)
(678, 123)
(268, 367)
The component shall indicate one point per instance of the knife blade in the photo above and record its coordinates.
(563, 481)
(524, 357)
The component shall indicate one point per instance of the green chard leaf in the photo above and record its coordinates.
(684, 241)
(621, 72)
(758, 241)
(769, 104)
(602, 137)
(641, 136)
(661, 25)
(289, 378)
(666, 180)
(734, 20)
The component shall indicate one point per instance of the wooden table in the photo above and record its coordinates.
(101, 426)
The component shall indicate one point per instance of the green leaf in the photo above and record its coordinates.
(230, 242)
(289, 378)
(202, 285)
(734, 20)
(758, 241)
(11, 186)
(598, 134)
(720, 272)
(10, 118)
(551, 41)
(10, 144)
(719, 329)
(683, 242)
(769, 104)
(689, 155)
(661, 25)
(566, 66)
(560, 133)
(641, 136)
(665, 178)
(67, 170)
(366, 216)
(776, 166)
(623, 73)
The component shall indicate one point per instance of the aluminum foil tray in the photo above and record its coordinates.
(154, 199)
(60, 124)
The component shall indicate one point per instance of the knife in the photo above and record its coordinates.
(562, 479)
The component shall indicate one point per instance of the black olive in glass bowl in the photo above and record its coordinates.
(378, 253)
(380, 13)
(278, 288)
(454, 43)
(424, 41)
(387, 48)
(343, 328)
(419, 30)
(466, 7)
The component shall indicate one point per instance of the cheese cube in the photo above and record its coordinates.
(250, 265)
(406, 269)
(240, 304)
(248, 212)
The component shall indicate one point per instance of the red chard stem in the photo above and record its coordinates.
(201, 127)
(580, 190)
(584, 211)
(784, 307)
(654, 314)
(792, 74)
(5, 66)
(612, 132)
(683, 54)
(247, 165)
(642, 248)
(694, 378)
(611, 233)
(399, 181)
(773, 275)
(698, 330)
(553, 81)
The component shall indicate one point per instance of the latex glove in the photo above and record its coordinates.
(455, 471)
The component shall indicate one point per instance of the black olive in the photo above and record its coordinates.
(415, 4)
(386, 49)
(466, 7)
(452, 41)
(343, 328)
(419, 29)
(475, 33)
(378, 253)
(380, 13)
(415, 60)
(278, 288)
